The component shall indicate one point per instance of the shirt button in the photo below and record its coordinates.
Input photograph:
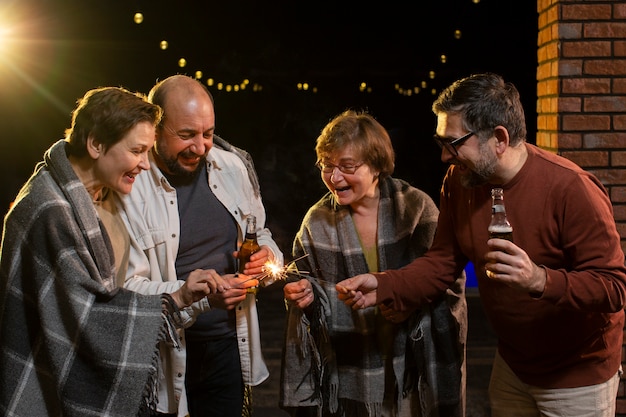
(173, 234)
(243, 340)
(180, 374)
(214, 185)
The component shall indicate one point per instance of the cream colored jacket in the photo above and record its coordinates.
(150, 213)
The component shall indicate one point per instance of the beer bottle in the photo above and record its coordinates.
(249, 245)
(499, 227)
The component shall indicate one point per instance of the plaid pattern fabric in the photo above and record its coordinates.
(71, 343)
(334, 358)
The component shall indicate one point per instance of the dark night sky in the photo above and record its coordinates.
(62, 48)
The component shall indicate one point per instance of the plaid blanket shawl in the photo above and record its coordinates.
(333, 357)
(71, 343)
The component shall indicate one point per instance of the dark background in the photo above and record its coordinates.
(57, 50)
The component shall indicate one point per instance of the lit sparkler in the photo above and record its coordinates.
(274, 271)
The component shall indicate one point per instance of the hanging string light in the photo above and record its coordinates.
(138, 18)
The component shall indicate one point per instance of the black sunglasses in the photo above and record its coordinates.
(450, 145)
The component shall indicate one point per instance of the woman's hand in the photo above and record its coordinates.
(299, 293)
(198, 285)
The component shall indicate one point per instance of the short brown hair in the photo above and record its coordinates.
(364, 134)
(108, 113)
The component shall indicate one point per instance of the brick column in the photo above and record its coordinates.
(581, 96)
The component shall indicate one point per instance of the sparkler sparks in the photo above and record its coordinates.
(273, 271)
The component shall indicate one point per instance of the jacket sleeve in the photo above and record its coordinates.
(146, 274)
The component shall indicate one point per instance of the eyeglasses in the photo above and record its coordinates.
(327, 168)
(450, 145)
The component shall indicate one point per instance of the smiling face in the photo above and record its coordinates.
(476, 160)
(117, 166)
(349, 189)
(186, 134)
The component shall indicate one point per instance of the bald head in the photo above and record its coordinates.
(177, 87)
(185, 135)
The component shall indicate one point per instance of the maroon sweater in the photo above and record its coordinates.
(562, 217)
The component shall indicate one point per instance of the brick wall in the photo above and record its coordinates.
(581, 97)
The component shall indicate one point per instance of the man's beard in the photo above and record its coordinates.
(176, 169)
(484, 169)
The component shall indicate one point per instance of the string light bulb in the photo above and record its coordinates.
(363, 86)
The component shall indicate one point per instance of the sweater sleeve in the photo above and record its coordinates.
(593, 276)
(428, 277)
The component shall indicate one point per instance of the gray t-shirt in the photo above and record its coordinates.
(208, 237)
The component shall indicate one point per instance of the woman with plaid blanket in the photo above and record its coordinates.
(373, 362)
(71, 342)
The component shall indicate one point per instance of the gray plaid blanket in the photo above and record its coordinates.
(334, 358)
(71, 343)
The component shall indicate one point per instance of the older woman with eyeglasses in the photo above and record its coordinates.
(376, 361)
